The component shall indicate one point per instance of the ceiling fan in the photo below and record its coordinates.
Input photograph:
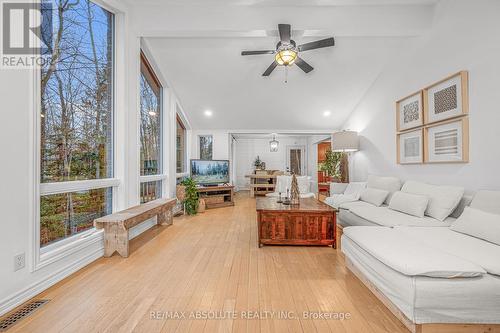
(286, 53)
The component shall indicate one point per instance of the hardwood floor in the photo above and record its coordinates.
(211, 263)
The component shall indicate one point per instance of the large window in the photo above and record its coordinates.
(181, 146)
(76, 125)
(150, 133)
(206, 147)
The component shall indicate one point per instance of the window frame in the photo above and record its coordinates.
(184, 147)
(162, 174)
(42, 256)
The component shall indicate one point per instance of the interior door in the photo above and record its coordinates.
(296, 160)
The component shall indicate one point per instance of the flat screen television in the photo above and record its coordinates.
(210, 172)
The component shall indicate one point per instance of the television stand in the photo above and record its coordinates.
(216, 196)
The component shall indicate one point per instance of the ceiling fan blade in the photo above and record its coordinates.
(270, 69)
(317, 44)
(303, 65)
(285, 32)
(245, 53)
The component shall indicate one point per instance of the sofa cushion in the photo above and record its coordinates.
(387, 217)
(464, 202)
(408, 256)
(412, 204)
(355, 188)
(442, 199)
(374, 196)
(479, 224)
(390, 184)
(335, 200)
(478, 251)
(488, 201)
(353, 204)
(338, 188)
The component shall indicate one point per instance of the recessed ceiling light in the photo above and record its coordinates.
(208, 113)
(327, 113)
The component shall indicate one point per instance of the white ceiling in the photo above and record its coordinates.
(200, 57)
(285, 2)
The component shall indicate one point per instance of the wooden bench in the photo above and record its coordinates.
(117, 225)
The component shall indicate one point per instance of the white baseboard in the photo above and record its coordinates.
(18, 298)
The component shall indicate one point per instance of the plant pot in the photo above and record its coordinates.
(180, 192)
(202, 206)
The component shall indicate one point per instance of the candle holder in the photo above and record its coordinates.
(287, 198)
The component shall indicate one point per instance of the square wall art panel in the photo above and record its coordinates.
(447, 98)
(409, 112)
(447, 142)
(410, 147)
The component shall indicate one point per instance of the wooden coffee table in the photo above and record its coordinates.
(310, 223)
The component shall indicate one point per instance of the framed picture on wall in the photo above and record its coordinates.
(447, 141)
(409, 112)
(447, 98)
(410, 148)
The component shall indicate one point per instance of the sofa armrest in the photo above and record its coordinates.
(338, 188)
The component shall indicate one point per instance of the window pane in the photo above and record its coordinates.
(181, 144)
(66, 214)
(150, 124)
(206, 147)
(150, 191)
(77, 94)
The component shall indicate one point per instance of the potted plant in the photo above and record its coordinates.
(258, 163)
(191, 196)
(332, 165)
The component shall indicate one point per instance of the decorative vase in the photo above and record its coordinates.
(295, 194)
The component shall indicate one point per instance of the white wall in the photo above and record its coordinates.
(221, 150)
(465, 36)
(247, 149)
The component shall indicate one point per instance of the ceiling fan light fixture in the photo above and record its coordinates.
(286, 57)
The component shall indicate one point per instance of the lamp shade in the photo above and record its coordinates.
(345, 141)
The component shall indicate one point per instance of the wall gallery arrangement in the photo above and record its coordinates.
(433, 125)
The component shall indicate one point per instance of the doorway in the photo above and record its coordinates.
(295, 160)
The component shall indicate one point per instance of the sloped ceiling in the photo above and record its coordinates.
(197, 48)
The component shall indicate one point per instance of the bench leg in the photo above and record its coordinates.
(165, 217)
(115, 239)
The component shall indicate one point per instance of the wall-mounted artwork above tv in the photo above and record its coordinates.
(210, 172)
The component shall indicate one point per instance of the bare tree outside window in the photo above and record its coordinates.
(76, 140)
(150, 131)
(181, 146)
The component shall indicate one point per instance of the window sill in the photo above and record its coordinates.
(60, 250)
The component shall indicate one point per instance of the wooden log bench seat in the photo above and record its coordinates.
(117, 225)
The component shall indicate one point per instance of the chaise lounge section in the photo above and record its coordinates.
(435, 279)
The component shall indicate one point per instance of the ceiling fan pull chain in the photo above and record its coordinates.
(286, 74)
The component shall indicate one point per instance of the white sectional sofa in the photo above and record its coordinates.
(410, 208)
(433, 276)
